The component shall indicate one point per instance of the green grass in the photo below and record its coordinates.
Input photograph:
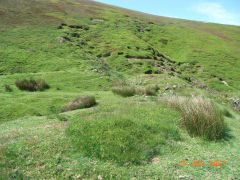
(114, 45)
(37, 147)
(131, 134)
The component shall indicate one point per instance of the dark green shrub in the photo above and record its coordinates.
(124, 91)
(149, 71)
(158, 72)
(79, 103)
(32, 85)
(132, 134)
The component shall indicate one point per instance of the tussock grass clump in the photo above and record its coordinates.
(124, 91)
(79, 103)
(140, 91)
(32, 85)
(131, 134)
(148, 91)
(120, 83)
(151, 90)
(200, 117)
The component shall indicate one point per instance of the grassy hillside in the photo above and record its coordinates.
(85, 48)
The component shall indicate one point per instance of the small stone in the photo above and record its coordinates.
(94, 70)
(224, 82)
(185, 177)
(100, 177)
(167, 88)
(155, 160)
(60, 39)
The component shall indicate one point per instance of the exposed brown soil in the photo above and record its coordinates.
(217, 34)
(52, 18)
(2, 13)
(57, 7)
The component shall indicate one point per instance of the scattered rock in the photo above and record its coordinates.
(98, 20)
(167, 88)
(224, 82)
(60, 39)
(100, 177)
(236, 103)
(185, 177)
(155, 161)
(94, 70)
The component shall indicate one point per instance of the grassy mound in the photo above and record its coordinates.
(124, 91)
(199, 116)
(131, 134)
(32, 85)
(79, 103)
(127, 91)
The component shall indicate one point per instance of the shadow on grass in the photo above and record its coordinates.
(227, 136)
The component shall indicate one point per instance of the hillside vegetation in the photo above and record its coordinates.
(92, 91)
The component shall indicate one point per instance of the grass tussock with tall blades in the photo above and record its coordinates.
(79, 103)
(200, 117)
(32, 85)
(124, 91)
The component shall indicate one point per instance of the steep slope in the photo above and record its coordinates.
(29, 32)
(84, 48)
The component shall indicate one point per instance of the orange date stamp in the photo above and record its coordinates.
(203, 163)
